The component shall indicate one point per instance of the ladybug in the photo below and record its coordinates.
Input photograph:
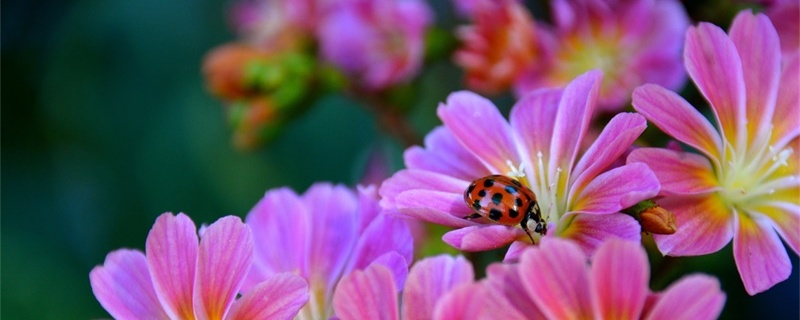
(506, 201)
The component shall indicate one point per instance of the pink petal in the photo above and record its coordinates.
(760, 257)
(444, 154)
(122, 286)
(714, 64)
(445, 208)
(270, 224)
(692, 297)
(473, 301)
(416, 179)
(680, 173)
(503, 282)
(429, 280)
(384, 235)
(619, 277)
(760, 50)
(368, 294)
(515, 251)
(704, 226)
(589, 230)
(786, 220)
(677, 118)
(224, 258)
(479, 126)
(368, 205)
(787, 115)
(172, 258)
(279, 297)
(482, 237)
(616, 189)
(575, 111)
(560, 284)
(532, 120)
(618, 135)
(397, 264)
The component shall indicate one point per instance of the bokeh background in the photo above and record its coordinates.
(106, 124)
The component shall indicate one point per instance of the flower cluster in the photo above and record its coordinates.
(568, 196)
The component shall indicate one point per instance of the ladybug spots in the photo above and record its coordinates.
(482, 193)
(471, 187)
(476, 204)
(495, 214)
(511, 190)
(516, 183)
(488, 183)
(513, 213)
(497, 198)
(519, 202)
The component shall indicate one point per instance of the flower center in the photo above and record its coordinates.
(750, 180)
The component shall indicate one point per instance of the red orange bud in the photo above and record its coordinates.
(225, 70)
(658, 220)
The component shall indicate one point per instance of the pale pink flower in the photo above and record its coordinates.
(557, 280)
(372, 293)
(744, 184)
(379, 43)
(181, 279)
(323, 235)
(541, 146)
(633, 42)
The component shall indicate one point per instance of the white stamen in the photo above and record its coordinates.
(515, 172)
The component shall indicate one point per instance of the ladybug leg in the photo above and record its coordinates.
(473, 216)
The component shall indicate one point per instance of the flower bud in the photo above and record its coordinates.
(658, 220)
(225, 70)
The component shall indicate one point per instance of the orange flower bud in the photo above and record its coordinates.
(225, 67)
(658, 220)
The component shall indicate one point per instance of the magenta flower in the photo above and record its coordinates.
(745, 184)
(633, 42)
(785, 16)
(179, 279)
(554, 281)
(541, 147)
(372, 293)
(323, 235)
(380, 43)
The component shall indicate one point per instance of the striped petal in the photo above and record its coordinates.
(619, 277)
(617, 136)
(279, 297)
(532, 120)
(270, 224)
(416, 179)
(786, 120)
(785, 218)
(704, 226)
(444, 154)
(564, 293)
(713, 62)
(503, 280)
(760, 257)
(617, 189)
(482, 237)
(677, 118)
(760, 50)
(172, 247)
(680, 173)
(429, 280)
(333, 233)
(574, 114)
(479, 126)
(692, 297)
(590, 230)
(122, 286)
(367, 294)
(223, 260)
(445, 208)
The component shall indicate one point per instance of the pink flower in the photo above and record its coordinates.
(323, 235)
(785, 16)
(498, 47)
(372, 293)
(179, 279)
(554, 281)
(633, 42)
(744, 184)
(380, 43)
(541, 147)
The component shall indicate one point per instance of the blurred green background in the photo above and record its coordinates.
(106, 125)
